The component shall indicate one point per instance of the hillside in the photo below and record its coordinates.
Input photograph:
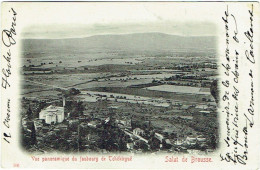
(123, 42)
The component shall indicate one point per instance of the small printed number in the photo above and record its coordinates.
(16, 165)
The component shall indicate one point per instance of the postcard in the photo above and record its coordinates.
(130, 85)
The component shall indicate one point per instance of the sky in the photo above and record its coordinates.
(76, 20)
(78, 31)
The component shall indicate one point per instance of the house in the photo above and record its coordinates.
(186, 117)
(62, 127)
(159, 136)
(124, 123)
(38, 124)
(45, 129)
(24, 123)
(167, 141)
(179, 142)
(204, 112)
(73, 121)
(201, 107)
(130, 146)
(185, 107)
(138, 131)
(52, 114)
(94, 123)
(201, 139)
(191, 140)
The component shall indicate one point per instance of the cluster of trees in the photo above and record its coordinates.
(209, 127)
(112, 139)
(75, 108)
(71, 92)
(214, 90)
(59, 141)
(28, 138)
(34, 109)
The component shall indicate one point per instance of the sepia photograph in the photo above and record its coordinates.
(120, 87)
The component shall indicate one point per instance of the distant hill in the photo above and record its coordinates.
(123, 42)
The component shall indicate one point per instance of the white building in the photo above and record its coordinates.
(201, 106)
(159, 136)
(138, 131)
(52, 114)
(191, 140)
(38, 124)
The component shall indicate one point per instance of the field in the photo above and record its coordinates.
(180, 89)
(91, 96)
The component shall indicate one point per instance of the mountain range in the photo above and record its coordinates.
(122, 42)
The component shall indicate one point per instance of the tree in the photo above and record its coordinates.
(29, 113)
(77, 109)
(122, 144)
(33, 134)
(25, 139)
(212, 141)
(214, 90)
(154, 143)
(74, 91)
(71, 92)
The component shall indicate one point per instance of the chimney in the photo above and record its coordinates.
(63, 105)
(63, 101)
